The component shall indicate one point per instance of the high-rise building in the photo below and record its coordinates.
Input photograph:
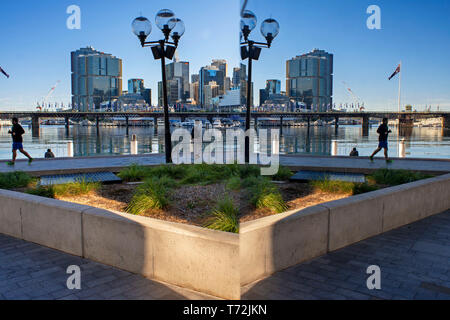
(273, 87)
(236, 81)
(222, 66)
(210, 74)
(195, 78)
(96, 77)
(174, 91)
(195, 93)
(179, 70)
(210, 91)
(309, 79)
(136, 85)
(147, 95)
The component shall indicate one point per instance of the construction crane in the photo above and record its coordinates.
(52, 89)
(358, 101)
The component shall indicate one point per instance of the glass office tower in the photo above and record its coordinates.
(309, 79)
(96, 77)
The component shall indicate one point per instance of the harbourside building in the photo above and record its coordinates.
(309, 79)
(96, 77)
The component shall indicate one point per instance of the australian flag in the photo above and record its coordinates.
(397, 71)
(4, 72)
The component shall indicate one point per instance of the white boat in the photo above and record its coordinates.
(217, 124)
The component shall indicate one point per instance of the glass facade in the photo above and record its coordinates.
(309, 79)
(136, 86)
(96, 77)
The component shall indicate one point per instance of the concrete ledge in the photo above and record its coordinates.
(353, 219)
(276, 242)
(184, 255)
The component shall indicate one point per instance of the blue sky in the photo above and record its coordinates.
(36, 45)
(415, 32)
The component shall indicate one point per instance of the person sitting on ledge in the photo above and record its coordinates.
(354, 153)
(49, 154)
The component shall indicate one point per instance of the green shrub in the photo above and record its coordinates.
(224, 217)
(17, 179)
(248, 170)
(43, 191)
(153, 194)
(344, 187)
(283, 174)
(264, 194)
(333, 186)
(234, 183)
(396, 177)
(76, 188)
(272, 201)
(133, 173)
(171, 171)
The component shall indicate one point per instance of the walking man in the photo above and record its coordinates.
(383, 132)
(16, 132)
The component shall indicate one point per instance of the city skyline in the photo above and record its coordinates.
(47, 57)
(364, 58)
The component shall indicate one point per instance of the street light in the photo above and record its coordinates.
(171, 27)
(251, 50)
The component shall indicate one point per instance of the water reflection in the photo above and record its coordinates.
(87, 141)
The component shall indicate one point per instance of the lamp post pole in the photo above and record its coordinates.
(167, 137)
(249, 96)
(251, 50)
(162, 49)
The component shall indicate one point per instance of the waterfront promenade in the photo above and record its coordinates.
(30, 271)
(414, 261)
(296, 162)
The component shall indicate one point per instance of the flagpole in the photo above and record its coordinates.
(400, 87)
(399, 107)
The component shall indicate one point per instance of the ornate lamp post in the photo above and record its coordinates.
(171, 27)
(251, 50)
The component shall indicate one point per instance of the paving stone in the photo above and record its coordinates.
(408, 257)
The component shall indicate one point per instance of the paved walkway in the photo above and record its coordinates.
(414, 262)
(30, 271)
(114, 163)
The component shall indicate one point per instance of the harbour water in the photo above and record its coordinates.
(425, 142)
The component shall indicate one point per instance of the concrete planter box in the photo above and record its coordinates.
(215, 262)
(188, 256)
(275, 243)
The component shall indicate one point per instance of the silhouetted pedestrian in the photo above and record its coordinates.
(16, 133)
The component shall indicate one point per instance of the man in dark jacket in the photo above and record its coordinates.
(16, 133)
(383, 132)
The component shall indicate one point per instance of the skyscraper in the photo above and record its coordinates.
(210, 74)
(179, 70)
(309, 79)
(222, 66)
(135, 85)
(273, 87)
(96, 77)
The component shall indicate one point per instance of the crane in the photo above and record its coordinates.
(357, 99)
(52, 89)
